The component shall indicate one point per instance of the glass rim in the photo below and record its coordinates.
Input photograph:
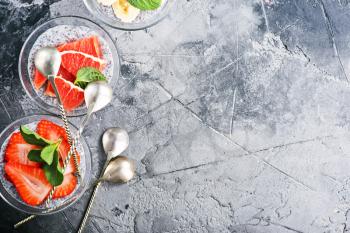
(130, 26)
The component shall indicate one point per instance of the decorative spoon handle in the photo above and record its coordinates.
(69, 136)
(92, 198)
(23, 221)
(33, 216)
(70, 141)
(51, 78)
(86, 215)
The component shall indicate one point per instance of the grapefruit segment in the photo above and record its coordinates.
(64, 74)
(71, 96)
(73, 61)
(89, 45)
(39, 79)
(81, 53)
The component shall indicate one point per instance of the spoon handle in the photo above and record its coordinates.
(30, 217)
(51, 78)
(86, 215)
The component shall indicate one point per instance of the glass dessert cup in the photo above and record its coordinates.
(9, 193)
(52, 33)
(144, 20)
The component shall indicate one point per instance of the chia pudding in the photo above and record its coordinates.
(10, 188)
(62, 34)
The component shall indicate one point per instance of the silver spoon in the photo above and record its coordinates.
(48, 61)
(97, 95)
(119, 170)
(115, 141)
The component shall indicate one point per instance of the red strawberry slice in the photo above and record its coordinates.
(29, 181)
(71, 96)
(50, 130)
(67, 186)
(64, 74)
(39, 79)
(63, 151)
(17, 150)
(53, 132)
(81, 53)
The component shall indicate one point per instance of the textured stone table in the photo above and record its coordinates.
(238, 113)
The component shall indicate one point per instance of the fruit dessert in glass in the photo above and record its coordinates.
(32, 162)
(129, 14)
(87, 53)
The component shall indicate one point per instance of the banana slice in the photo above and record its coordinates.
(106, 2)
(124, 11)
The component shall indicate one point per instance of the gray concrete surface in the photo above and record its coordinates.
(238, 113)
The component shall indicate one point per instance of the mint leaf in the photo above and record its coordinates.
(145, 4)
(34, 155)
(33, 138)
(53, 172)
(86, 75)
(47, 154)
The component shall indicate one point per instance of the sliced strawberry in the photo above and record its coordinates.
(39, 79)
(17, 150)
(50, 130)
(53, 132)
(29, 181)
(63, 152)
(65, 75)
(67, 186)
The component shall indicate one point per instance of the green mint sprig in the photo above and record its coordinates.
(54, 172)
(85, 75)
(146, 4)
(33, 138)
(48, 155)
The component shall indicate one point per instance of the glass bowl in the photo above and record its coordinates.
(52, 33)
(144, 20)
(8, 191)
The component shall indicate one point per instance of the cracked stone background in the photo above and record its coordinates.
(238, 113)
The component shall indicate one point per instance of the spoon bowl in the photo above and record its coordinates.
(97, 95)
(48, 60)
(119, 170)
(115, 141)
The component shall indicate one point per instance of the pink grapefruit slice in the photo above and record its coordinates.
(82, 53)
(72, 96)
(39, 79)
(64, 74)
